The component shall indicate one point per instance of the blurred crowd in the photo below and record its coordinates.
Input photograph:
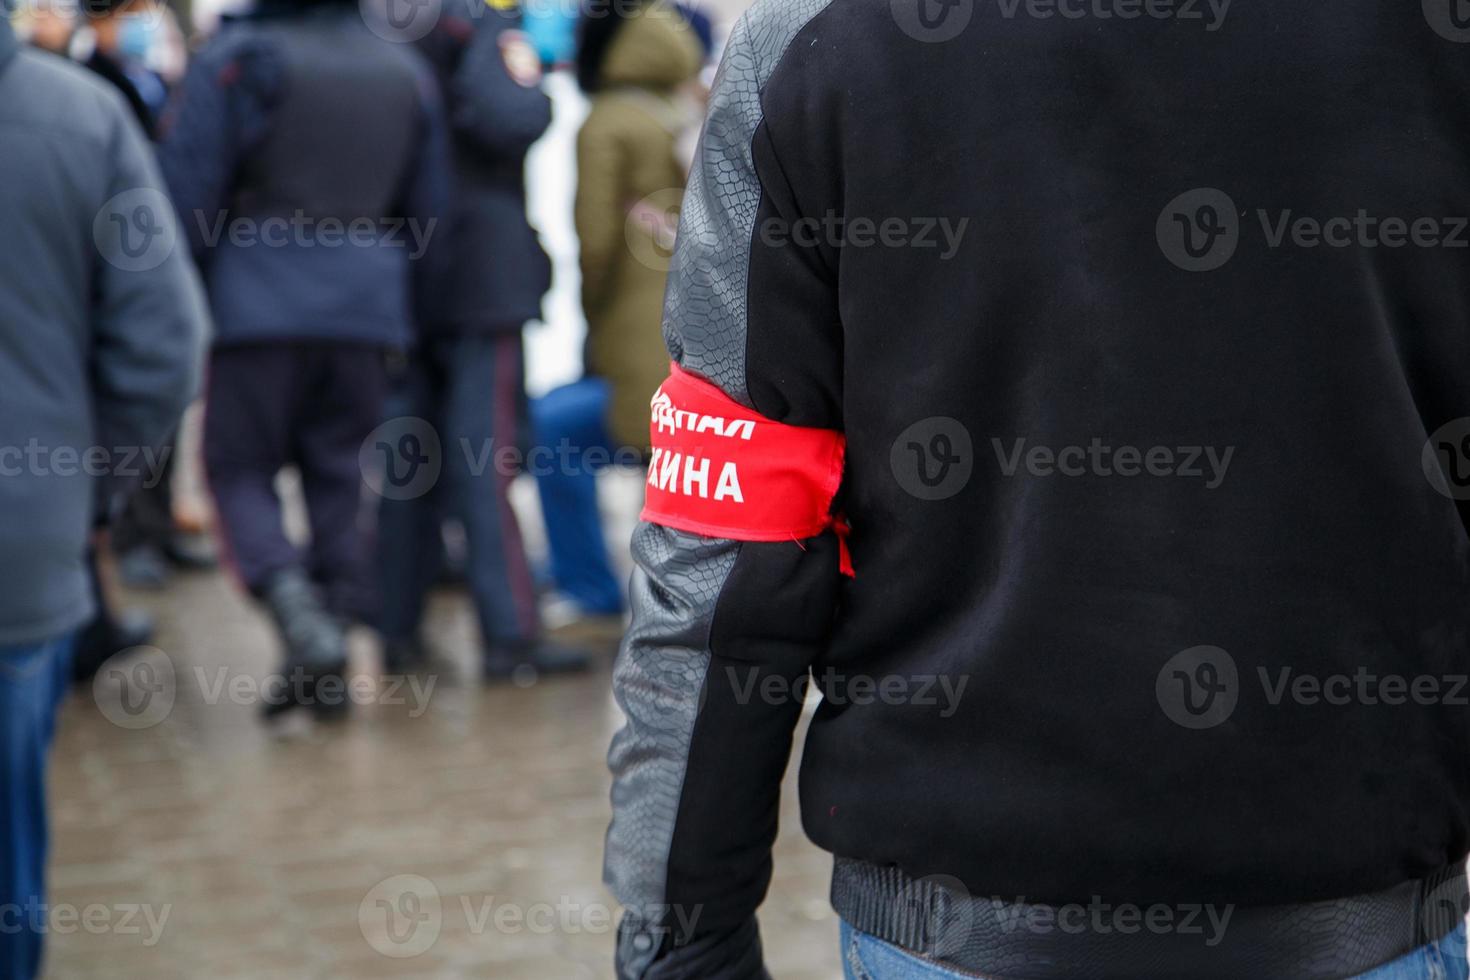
(396, 354)
(310, 221)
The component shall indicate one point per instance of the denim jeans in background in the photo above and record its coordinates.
(866, 958)
(580, 566)
(33, 680)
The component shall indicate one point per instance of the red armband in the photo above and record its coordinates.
(722, 470)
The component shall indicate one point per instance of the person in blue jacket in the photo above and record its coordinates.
(307, 158)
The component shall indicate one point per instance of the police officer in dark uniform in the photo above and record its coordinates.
(467, 377)
(308, 159)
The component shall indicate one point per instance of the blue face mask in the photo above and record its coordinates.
(135, 36)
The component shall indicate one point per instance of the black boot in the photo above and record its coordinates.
(402, 657)
(316, 648)
(525, 662)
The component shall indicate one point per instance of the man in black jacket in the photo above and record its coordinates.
(466, 377)
(1137, 335)
(102, 324)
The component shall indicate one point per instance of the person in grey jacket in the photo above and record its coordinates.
(102, 324)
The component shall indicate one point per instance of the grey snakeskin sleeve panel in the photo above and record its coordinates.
(658, 678)
(661, 668)
(705, 314)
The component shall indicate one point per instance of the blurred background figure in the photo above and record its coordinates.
(552, 26)
(123, 36)
(99, 348)
(295, 124)
(639, 63)
(118, 42)
(467, 376)
(48, 24)
(130, 44)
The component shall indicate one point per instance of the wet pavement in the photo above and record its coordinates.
(451, 830)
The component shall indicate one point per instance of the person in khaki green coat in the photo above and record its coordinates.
(630, 184)
(640, 64)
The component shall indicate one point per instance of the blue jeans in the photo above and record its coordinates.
(867, 958)
(33, 680)
(570, 424)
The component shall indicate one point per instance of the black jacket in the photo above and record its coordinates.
(106, 67)
(1123, 453)
(497, 272)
